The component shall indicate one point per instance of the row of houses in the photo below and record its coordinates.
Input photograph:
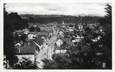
(29, 51)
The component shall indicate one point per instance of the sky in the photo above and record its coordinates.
(69, 7)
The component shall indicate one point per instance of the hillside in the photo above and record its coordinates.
(60, 18)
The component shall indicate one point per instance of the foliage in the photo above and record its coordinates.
(59, 62)
(12, 22)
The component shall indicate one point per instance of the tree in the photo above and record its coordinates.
(106, 22)
(12, 22)
(109, 11)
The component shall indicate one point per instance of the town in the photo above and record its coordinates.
(56, 42)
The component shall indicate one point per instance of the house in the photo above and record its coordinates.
(77, 39)
(26, 31)
(22, 56)
(26, 52)
(59, 43)
(60, 51)
(31, 36)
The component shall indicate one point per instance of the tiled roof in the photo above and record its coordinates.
(29, 48)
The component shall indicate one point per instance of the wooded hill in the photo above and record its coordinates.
(60, 18)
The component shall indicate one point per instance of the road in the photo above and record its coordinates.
(47, 49)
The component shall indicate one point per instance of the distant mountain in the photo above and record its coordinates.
(33, 15)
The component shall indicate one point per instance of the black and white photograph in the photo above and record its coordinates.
(57, 35)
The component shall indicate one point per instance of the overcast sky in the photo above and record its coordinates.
(78, 7)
